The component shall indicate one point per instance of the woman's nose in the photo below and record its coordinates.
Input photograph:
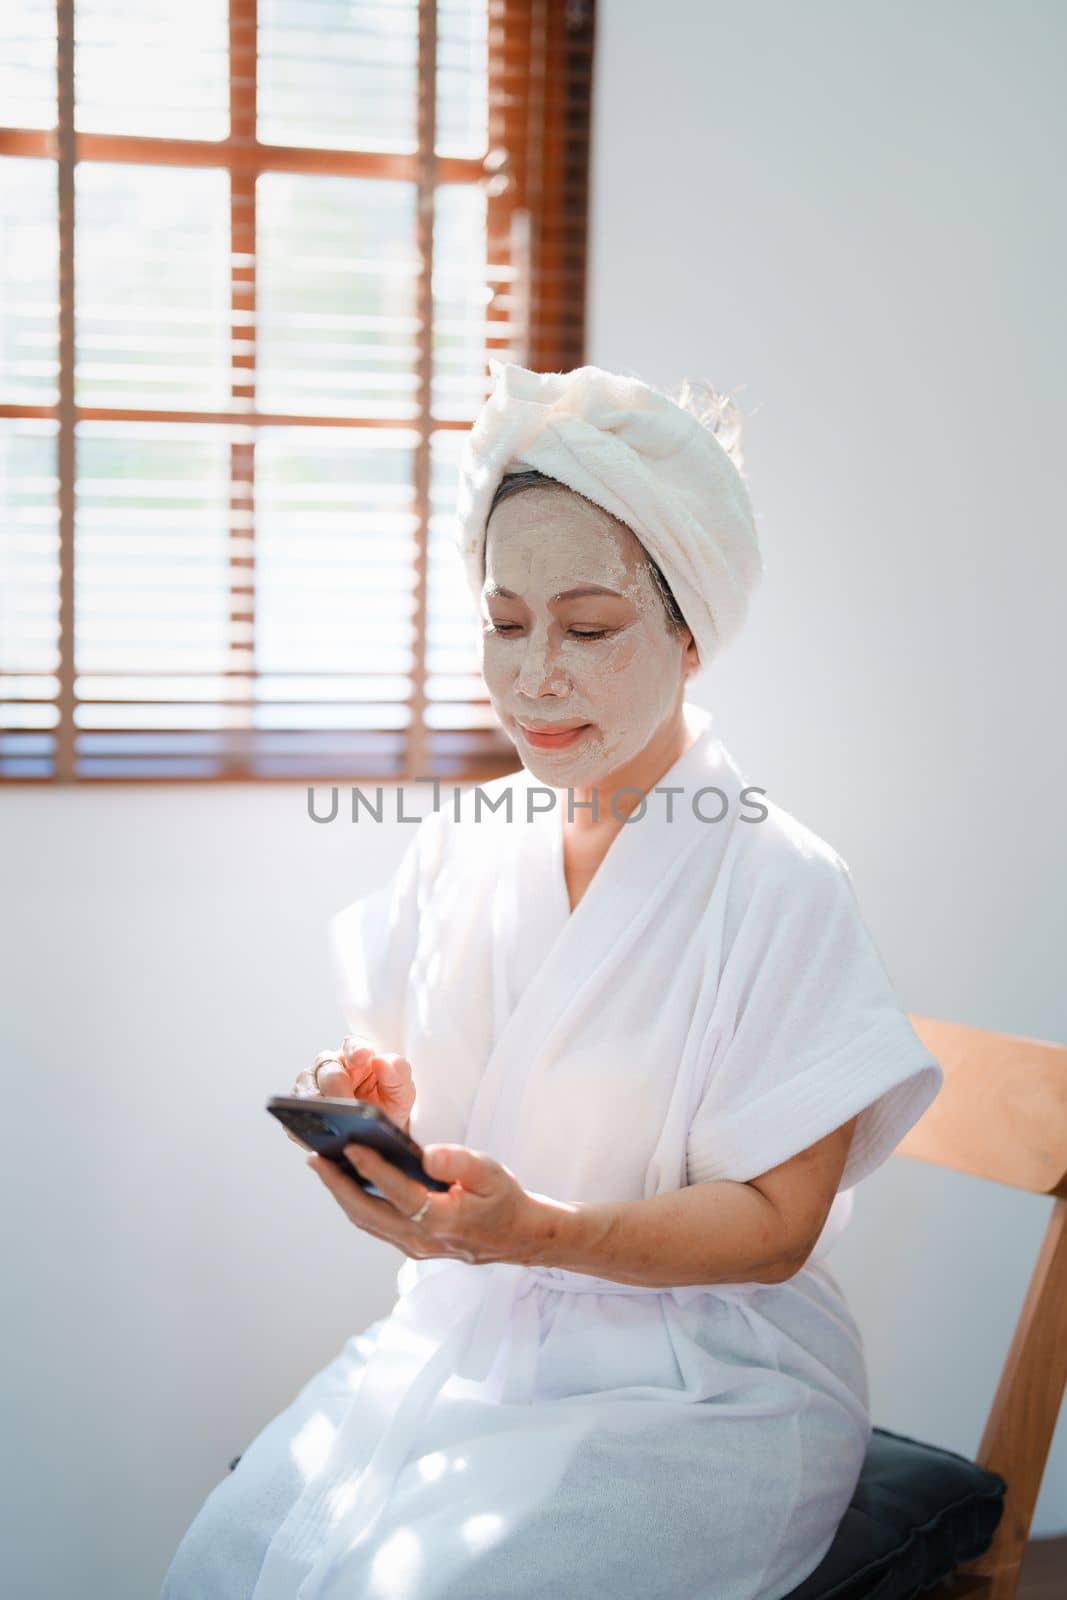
(539, 668)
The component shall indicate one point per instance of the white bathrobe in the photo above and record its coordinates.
(713, 1005)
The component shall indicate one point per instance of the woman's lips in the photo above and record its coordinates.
(553, 741)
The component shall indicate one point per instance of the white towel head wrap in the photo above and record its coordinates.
(638, 454)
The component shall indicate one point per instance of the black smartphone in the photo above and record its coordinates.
(326, 1125)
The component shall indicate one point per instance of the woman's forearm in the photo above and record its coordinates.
(717, 1232)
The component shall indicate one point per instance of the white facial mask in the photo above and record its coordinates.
(626, 685)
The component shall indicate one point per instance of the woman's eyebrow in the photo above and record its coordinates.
(497, 591)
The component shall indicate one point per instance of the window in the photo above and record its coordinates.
(256, 257)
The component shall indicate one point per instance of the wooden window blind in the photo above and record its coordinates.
(256, 256)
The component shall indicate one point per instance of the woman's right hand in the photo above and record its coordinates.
(357, 1071)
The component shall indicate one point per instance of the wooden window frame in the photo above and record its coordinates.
(536, 175)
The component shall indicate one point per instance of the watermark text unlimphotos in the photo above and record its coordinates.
(707, 804)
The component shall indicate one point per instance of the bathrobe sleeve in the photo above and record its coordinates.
(373, 942)
(806, 1030)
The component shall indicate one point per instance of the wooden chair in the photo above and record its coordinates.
(1002, 1114)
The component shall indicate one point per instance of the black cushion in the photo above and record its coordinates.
(917, 1512)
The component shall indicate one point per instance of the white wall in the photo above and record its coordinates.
(853, 211)
(853, 215)
(174, 1273)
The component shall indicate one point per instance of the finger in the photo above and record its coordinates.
(361, 1221)
(378, 1216)
(395, 1069)
(330, 1077)
(356, 1054)
(362, 1068)
(360, 1061)
(368, 1067)
(396, 1085)
(396, 1088)
(405, 1193)
(353, 1043)
(454, 1163)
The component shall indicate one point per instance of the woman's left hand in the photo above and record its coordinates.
(484, 1215)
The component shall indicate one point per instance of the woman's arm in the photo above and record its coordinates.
(720, 1232)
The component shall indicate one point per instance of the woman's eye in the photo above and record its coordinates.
(576, 633)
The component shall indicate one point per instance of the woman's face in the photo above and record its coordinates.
(606, 658)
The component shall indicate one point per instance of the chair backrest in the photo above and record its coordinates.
(1002, 1114)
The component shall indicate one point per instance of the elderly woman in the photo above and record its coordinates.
(630, 1009)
